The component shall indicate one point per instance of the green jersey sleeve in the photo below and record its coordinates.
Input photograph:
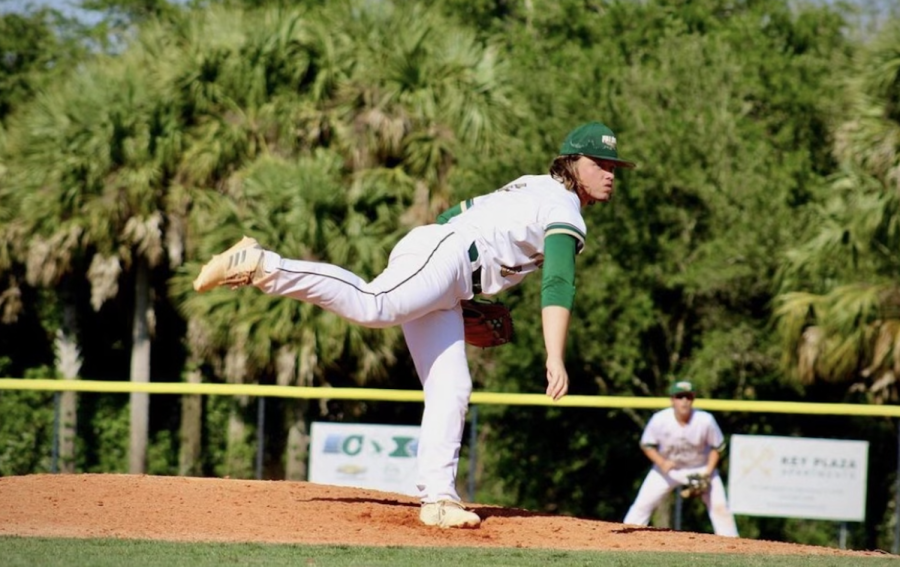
(558, 282)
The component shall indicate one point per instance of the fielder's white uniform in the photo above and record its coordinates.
(688, 446)
(428, 273)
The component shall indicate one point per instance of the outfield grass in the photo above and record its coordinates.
(31, 552)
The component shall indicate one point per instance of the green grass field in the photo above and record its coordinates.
(45, 552)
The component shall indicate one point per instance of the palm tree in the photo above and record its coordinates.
(298, 209)
(114, 162)
(41, 234)
(97, 156)
(850, 332)
(237, 73)
(395, 130)
(421, 92)
(190, 436)
(66, 347)
(68, 364)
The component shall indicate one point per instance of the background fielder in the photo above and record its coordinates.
(484, 245)
(681, 441)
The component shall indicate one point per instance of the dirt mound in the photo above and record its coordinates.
(205, 509)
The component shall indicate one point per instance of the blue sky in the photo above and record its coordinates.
(22, 5)
(67, 7)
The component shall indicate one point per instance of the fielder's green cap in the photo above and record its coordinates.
(596, 140)
(682, 386)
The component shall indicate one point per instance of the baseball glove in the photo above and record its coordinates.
(698, 485)
(487, 323)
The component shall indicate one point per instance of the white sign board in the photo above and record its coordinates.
(381, 457)
(794, 477)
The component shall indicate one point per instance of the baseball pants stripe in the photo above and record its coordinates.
(428, 270)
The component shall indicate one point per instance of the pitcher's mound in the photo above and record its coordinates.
(223, 510)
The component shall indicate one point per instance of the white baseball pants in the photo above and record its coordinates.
(657, 485)
(428, 273)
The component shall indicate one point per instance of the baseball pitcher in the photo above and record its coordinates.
(482, 247)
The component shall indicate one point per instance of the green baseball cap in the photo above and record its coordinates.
(596, 140)
(681, 387)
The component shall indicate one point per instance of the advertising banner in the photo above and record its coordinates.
(381, 457)
(795, 477)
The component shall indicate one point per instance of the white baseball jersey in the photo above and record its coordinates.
(686, 445)
(509, 225)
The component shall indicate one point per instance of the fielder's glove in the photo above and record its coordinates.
(697, 485)
(487, 323)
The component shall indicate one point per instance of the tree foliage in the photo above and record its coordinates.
(837, 312)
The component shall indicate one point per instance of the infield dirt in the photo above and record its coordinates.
(227, 510)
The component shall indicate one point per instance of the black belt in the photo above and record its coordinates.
(476, 281)
(476, 274)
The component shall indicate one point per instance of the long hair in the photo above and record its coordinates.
(563, 170)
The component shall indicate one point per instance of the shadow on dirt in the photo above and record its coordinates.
(379, 501)
(636, 529)
(483, 511)
(509, 513)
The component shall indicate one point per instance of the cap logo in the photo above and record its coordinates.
(609, 141)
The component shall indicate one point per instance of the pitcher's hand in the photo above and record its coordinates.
(557, 379)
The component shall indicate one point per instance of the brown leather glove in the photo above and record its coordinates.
(487, 323)
(698, 485)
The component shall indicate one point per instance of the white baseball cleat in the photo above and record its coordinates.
(236, 267)
(448, 514)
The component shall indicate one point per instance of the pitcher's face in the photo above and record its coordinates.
(597, 176)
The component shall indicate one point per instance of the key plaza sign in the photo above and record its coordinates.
(793, 477)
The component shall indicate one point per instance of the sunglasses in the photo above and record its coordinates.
(683, 395)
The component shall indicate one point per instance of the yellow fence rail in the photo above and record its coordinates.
(487, 398)
(261, 392)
